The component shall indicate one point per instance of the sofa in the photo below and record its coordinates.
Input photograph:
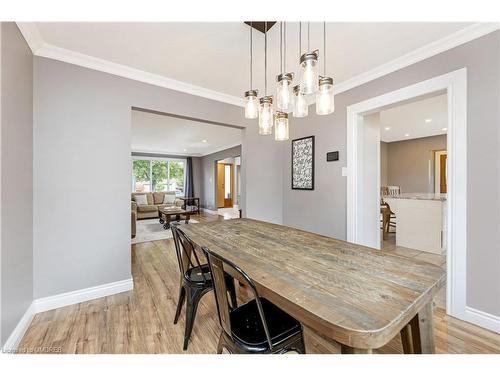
(155, 201)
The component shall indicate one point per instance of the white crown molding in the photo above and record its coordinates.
(40, 48)
(455, 39)
(483, 319)
(82, 295)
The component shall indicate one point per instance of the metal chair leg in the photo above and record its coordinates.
(182, 294)
(193, 297)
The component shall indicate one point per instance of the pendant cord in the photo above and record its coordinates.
(265, 58)
(251, 56)
(324, 48)
(300, 39)
(284, 46)
(281, 47)
(308, 37)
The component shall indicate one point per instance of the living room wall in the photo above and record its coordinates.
(82, 170)
(16, 177)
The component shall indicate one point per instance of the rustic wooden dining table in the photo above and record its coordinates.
(347, 294)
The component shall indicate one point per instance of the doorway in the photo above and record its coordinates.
(363, 193)
(225, 186)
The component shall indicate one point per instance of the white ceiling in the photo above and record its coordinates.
(410, 118)
(161, 134)
(215, 56)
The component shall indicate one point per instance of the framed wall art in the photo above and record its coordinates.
(303, 163)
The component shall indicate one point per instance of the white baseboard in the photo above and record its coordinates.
(209, 211)
(61, 300)
(18, 332)
(482, 319)
(82, 295)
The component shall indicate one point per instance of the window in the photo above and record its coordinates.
(155, 174)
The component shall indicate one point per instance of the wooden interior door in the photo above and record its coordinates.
(228, 201)
(442, 173)
(220, 185)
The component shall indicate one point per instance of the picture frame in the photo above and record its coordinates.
(303, 163)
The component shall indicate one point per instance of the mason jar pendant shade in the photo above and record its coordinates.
(281, 127)
(309, 72)
(266, 115)
(251, 104)
(324, 97)
(284, 95)
(300, 108)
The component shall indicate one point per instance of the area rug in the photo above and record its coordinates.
(152, 230)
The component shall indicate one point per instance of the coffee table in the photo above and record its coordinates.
(169, 215)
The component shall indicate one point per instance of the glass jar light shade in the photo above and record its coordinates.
(281, 126)
(300, 108)
(266, 115)
(309, 72)
(284, 98)
(324, 97)
(251, 104)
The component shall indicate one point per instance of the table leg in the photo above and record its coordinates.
(187, 218)
(419, 335)
(344, 349)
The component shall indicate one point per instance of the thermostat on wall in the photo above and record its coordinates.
(332, 156)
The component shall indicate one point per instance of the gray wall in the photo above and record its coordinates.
(410, 164)
(82, 172)
(208, 196)
(324, 209)
(16, 178)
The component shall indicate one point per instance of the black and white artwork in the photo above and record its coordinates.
(303, 163)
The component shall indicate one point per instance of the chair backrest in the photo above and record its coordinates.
(394, 190)
(185, 251)
(218, 267)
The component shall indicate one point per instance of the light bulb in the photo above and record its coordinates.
(281, 126)
(301, 108)
(266, 115)
(251, 104)
(309, 71)
(324, 97)
(284, 94)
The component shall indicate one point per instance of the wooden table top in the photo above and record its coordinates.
(355, 295)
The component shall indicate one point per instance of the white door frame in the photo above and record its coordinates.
(455, 84)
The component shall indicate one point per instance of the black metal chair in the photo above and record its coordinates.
(258, 326)
(195, 282)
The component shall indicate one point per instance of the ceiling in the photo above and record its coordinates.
(161, 134)
(411, 120)
(215, 55)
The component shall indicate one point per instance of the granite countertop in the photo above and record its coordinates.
(420, 196)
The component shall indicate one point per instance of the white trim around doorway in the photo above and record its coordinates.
(455, 85)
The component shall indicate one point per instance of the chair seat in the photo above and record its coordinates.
(246, 325)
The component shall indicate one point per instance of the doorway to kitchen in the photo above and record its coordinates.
(364, 177)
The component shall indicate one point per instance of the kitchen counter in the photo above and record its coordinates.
(420, 221)
(419, 196)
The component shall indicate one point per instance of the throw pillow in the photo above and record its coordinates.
(141, 200)
(169, 199)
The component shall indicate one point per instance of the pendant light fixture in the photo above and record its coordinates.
(300, 108)
(284, 98)
(309, 68)
(266, 102)
(281, 126)
(251, 101)
(325, 97)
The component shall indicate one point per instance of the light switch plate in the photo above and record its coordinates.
(344, 171)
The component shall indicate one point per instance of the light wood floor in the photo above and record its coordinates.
(141, 321)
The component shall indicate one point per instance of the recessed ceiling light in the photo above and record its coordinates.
(387, 128)
(407, 135)
(204, 141)
(444, 129)
(428, 120)
(185, 150)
